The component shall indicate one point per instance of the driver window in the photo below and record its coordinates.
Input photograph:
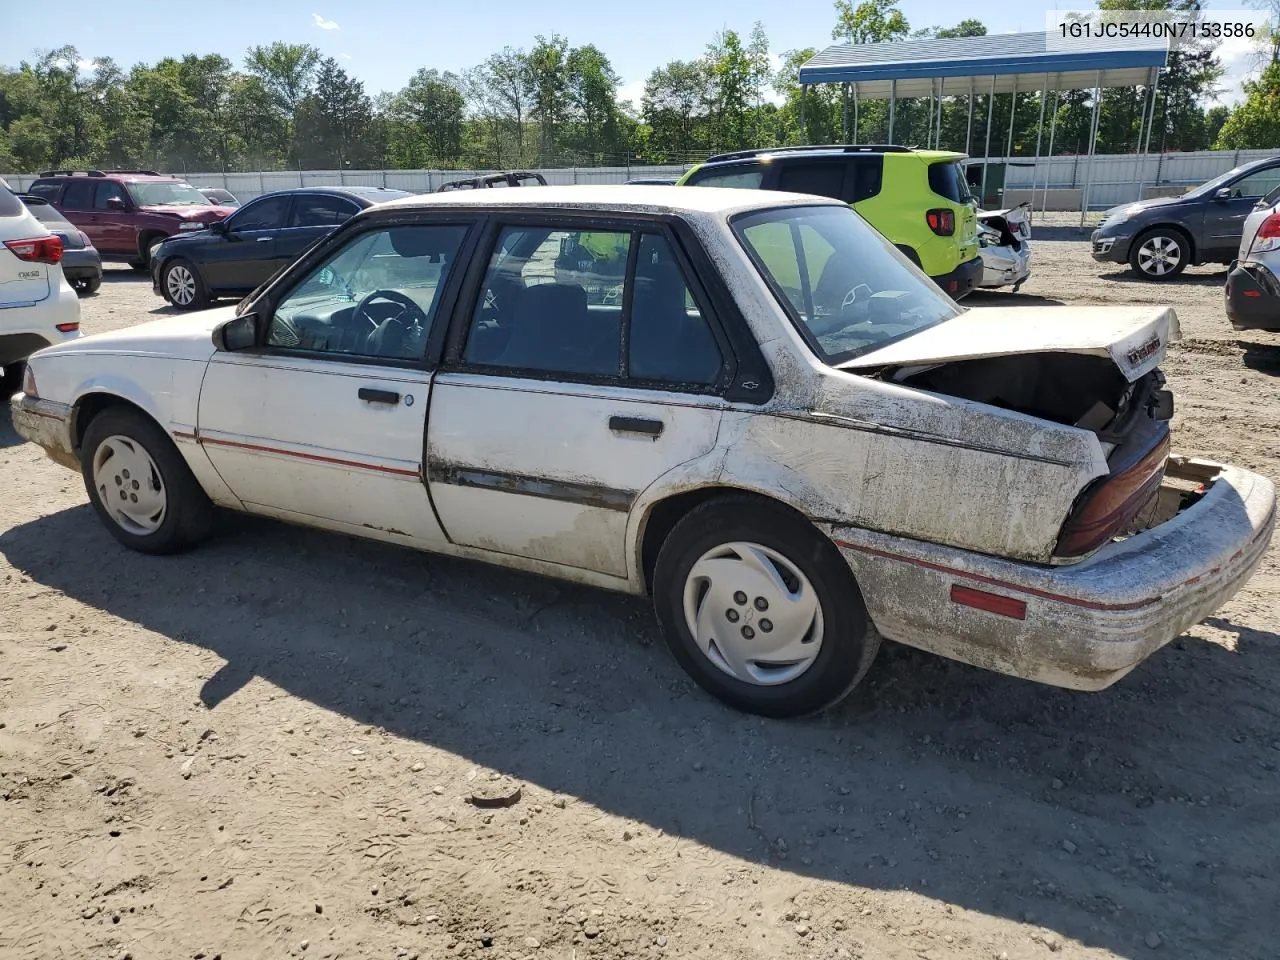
(1256, 184)
(376, 296)
(105, 192)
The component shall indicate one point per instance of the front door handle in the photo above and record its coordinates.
(650, 428)
(378, 396)
(265, 239)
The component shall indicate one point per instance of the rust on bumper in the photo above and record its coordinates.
(46, 424)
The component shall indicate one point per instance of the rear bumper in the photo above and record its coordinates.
(30, 327)
(1081, 626)
(961, 281)
(81, 264)
(1003, 266)
(46, 424)
(1252, 293)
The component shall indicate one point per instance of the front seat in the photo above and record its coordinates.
(550, 330)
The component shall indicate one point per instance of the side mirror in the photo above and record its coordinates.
(115, 203)
(218, 226)
(238, 333)
(1222, 193)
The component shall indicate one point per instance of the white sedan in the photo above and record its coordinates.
(747, 405)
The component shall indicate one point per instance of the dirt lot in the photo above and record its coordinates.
(265, 749)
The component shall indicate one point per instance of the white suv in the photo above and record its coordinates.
(37, 305)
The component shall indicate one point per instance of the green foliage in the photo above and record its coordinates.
(1255, 124)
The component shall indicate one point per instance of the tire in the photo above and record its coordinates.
(184, 514)
(727, 547)
(87, 288)
(1163, 249)
(182, 285)
(11, 378)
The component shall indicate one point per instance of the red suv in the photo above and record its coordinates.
(126, 212)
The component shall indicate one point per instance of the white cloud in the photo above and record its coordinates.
(324, 24)
(633, 91)
(346, 56)
(87, 64)
(1240, 59)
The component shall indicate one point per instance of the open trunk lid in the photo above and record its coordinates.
(1134, 338)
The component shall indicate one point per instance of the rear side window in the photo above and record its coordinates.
(79, 195)
(320, 211)
(49, 189)
(10, 206)
(946, 179)
(746, 176)
(821, 179)
(46, 213)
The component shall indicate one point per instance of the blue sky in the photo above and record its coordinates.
(384, 41)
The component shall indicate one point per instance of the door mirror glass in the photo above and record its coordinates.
(1223, 193)
(239, 333)
(115, 203)
(218, 226)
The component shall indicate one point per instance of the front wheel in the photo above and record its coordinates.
(1159, 254)
(182, 286)
(140, 486)
(760, 608)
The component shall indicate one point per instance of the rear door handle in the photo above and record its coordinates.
(651, 428)
(265, 239)
(378, 396)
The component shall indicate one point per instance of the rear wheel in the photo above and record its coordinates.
(86, 286)
(1160, 254)
(760, 608)
(139, 485)
(182, 286)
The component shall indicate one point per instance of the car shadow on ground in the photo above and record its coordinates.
(1263, 357)
(1087, 813)
(1007, 298)
(1216, 279)
(1057, 233)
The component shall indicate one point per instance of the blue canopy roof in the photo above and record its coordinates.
(1021, 61)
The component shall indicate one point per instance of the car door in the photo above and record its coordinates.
(313, 217)
(246, 256)
(77, 206)
(1224, 217)
(323, 421)
(544, 429)
(112, 219)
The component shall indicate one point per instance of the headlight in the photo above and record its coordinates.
(190, 225)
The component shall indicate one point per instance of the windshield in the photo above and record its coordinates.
(847, 289)
(166, 193)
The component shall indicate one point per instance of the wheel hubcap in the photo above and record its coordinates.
(753, 614)
(129, 485)
(181, 285)
(1159, 255)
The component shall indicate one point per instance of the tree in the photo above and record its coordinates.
(546, 80)
(593, 94)
(286, 71)
(333, 124)
(424, 121)
(872, 21)
(675, 108)
(1255, 124)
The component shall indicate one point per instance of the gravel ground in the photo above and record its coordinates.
(268, 747)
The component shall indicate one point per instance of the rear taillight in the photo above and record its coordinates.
(39, 250)
(1108, 508)
(1268, 235)
(68, 327)
(84, 238)
(942, 222)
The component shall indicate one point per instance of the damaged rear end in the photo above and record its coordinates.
(1149, 546)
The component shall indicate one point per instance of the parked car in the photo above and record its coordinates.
(919, 199)
(1159, 237)
(124, 212)
(512, 178)
(1004, 240)
(760, 413)
(37, 305)
(238, 254)
(1252, 289)
(223, 198)
(81, 264)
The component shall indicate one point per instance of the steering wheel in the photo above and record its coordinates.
(410, 315)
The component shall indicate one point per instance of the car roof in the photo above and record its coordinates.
(373, 194)
(782, 154)
(627, 198)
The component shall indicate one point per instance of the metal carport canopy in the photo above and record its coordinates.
(960, 65)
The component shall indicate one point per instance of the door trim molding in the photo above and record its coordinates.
(547, 488)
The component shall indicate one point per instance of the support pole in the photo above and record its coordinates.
(986, 150)
(1148, 121)
(928, 126)
(942, 94)
(1035, 168)
(855, 114)
(968, 127)
(844, 117)
(1093, 137)
(1008, 153)
(1053, 127)
(803, 135)
(893, 98)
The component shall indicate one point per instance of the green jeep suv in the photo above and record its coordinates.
(918, 199)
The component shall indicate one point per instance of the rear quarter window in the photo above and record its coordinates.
(49, 189)
(946, 179)
(10, 206)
